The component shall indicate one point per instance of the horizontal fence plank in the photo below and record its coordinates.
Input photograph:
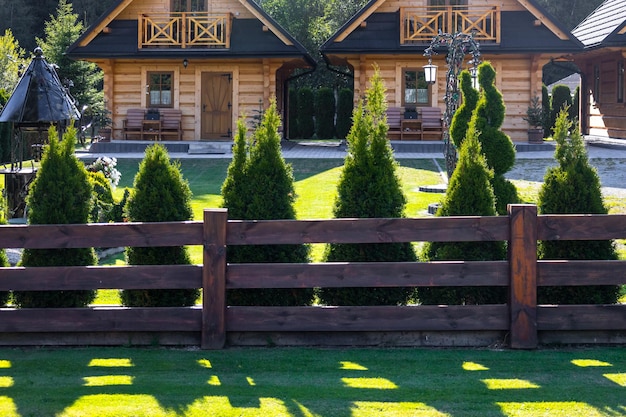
(373, 318)
(581, 227)
(101, 235)
(367, 274)
(572, 273)
(581, 317)
(101, 319)
(436, 229)
(62, 278)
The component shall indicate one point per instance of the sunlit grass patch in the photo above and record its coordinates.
(473, 366)
(549, 409)
(369, 383)
(352, 366)
(586, 363)
(390, 409)
(222, 407)
(6, 381)
(111, 362)
(514, 383)
(619, 379)
(5, 364)
(116, 405)
(101, 381)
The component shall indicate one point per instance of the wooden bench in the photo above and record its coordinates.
(394, 120)
(431, 122)
(133, 124)
(171, 123)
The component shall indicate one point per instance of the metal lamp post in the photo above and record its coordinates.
(458, 44)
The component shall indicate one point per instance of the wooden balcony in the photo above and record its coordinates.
(421, 24)
(185, 30)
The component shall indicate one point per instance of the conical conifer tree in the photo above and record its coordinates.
(160, 194)
(463, 115)
(573, 187)
(260, 186)
(60, 194)
(469, 194)
(369, 187)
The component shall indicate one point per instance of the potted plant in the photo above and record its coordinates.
(534, 117)
(103, 122)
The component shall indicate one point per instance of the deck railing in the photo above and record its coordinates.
(521, 323)
(421, 24)
(184, 30)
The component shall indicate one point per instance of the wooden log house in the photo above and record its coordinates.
(214, 60)
(518, 37)
(602, 63)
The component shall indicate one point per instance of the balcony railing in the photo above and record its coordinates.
(421, 24)
(185, 30)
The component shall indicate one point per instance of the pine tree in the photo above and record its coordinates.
(369, 188)
(469, 194)
(259, 186)
(60, 194)
(573, 187)
(160, 194)
(60, 32)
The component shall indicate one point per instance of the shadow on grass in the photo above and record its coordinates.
(311, 382)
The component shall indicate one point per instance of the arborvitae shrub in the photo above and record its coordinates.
(60, 194)
(469, 194)
(345, 105)
(160, 194)
(102, 198)
(306, 111)
(545, 104)
(259, 186)
(116, 214)
(325, 113)
(573, 187)
(497, 147)
(463, 115)
(561, 98)
(293, 114)
(369, 187)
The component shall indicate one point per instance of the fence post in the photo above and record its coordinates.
(523, 275)
(214, 279)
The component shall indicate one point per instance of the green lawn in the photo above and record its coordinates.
(308, 382)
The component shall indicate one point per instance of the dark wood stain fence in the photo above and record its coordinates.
(522, 319)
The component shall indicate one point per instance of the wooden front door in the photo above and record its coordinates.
(217, 95)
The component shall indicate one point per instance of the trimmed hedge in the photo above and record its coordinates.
(325, 113)
(259, 186)
(345, 106)
(60, 194)
(306, 111)
(573, 187)
(369, 187)
(469, 194)
(160, 194)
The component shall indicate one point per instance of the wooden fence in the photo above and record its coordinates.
(522, 320)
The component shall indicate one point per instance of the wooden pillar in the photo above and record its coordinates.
(523, 276)
(214, 279)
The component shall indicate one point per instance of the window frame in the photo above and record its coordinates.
(620, 81)
(149, 89)
(417, 103)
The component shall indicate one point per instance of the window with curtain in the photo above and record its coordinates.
(160, 91)
(415, 88)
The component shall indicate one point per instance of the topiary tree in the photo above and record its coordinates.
(345, 106)
(306, 124)
(573, 187)
(463, 115)
(60, 194)
(469, 194)
(160, 194)
(325, 113)
(293, 114)
(369, 187)
(561, 98)
(259, 186)
(497, 147)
